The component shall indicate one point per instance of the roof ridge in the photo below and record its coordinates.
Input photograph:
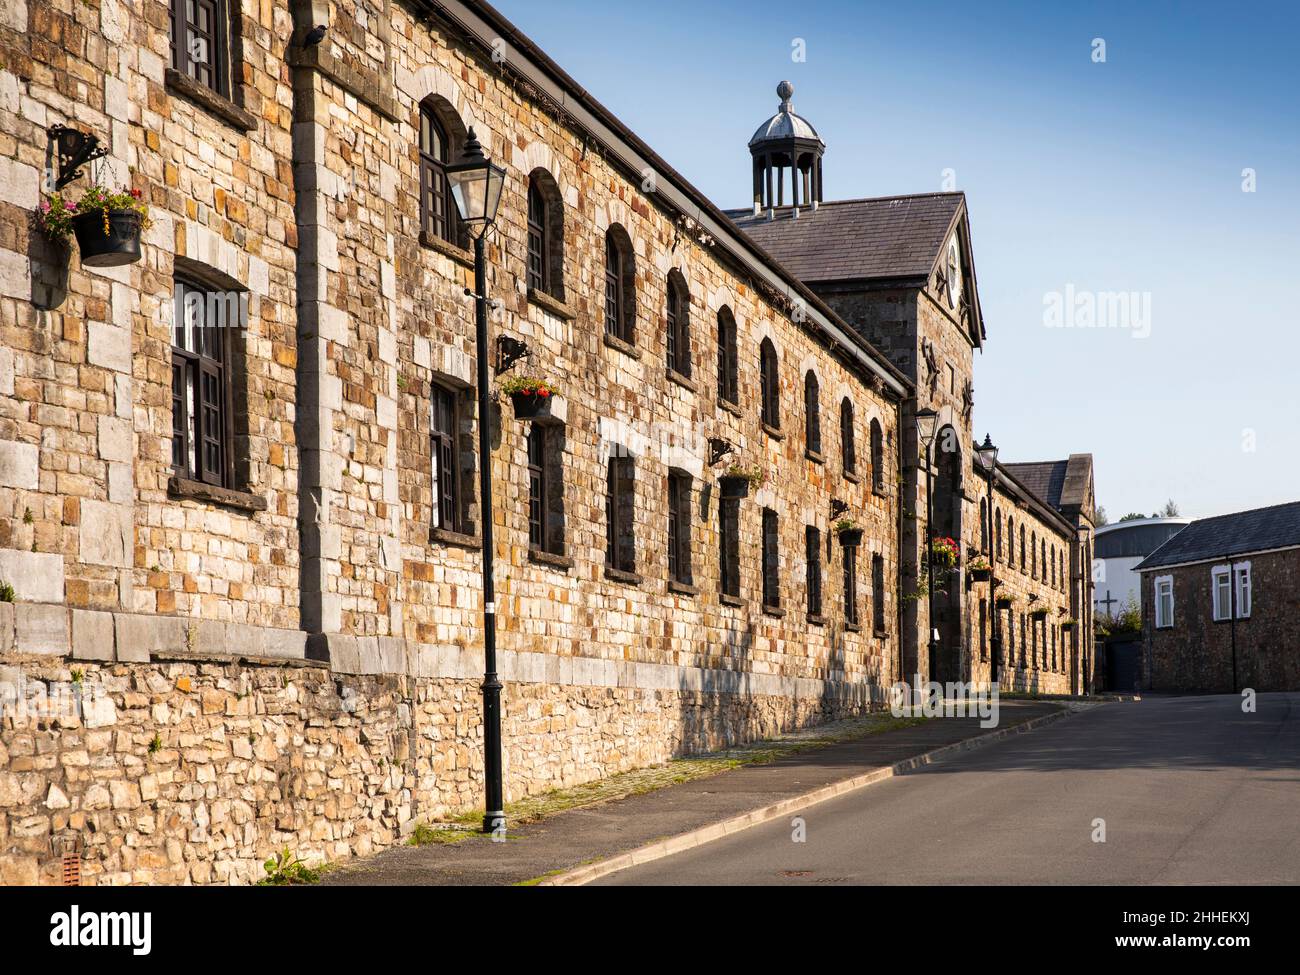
(1247, 511)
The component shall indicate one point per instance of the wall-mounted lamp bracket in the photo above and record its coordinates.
(72, 149)
(718, 448)
(509, 351)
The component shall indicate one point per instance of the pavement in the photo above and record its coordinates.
(1189, 790)
(566, 840)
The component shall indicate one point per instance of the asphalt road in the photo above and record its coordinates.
(1191, 790)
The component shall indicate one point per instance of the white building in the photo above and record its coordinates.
(1118, 548)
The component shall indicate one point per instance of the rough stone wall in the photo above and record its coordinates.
(1196, 653)
(85, 372)
(195, 770)
(1041, 655)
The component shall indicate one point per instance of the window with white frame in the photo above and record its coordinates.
(1243, 591)
(1221, 588)
(1164, 602)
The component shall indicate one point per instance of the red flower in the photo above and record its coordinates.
(543, 393)
(136, 194)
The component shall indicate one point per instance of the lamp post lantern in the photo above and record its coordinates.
(925, 429)
(476, 184)
(988, 455)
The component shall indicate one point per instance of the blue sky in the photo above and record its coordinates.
(1122, 176)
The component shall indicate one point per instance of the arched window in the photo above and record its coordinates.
(769, 384)
(1011, 540)
(727, 358)
(620, 285)
(984, 524)
(848, 446)
(877, 457)
(1022, 548)
(678, 329)
(1033, 555)
(812, 419)
(545, 235)
(438, 146)
(997, 533)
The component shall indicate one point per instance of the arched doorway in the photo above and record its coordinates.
(947, 523)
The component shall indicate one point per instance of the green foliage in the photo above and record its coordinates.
(426, 835)
(155, 745)
(6, 592)
(1133, 516)
(1127, 622)
(78, 675)
(754, 474)
(285, 869)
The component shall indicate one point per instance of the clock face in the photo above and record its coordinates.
(954, 274)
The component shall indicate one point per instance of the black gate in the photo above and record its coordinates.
(1122, 658)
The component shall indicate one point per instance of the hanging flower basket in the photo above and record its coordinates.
(1068, 625)
(1004, 602)
(848, 532)
(1038, 614)
(112, 247)
(979, 569)
(531, 398)
(737, 481)
(106, 223)
(944, 552)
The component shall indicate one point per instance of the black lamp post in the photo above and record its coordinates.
(925, 428)
(988, 455)
(476, 187)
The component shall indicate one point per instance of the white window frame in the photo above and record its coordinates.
(1160, 583)
(1243, 590)
(1220, 588)
(1242, 581)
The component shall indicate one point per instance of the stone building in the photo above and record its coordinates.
(1218, 604)
(253, 551)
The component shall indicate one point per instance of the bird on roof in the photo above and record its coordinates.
(315, 35)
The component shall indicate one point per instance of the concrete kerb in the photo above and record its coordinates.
(659, 849)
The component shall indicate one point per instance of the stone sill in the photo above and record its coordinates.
(776, 611)
(682, 380)
(552, 304)
(549, 559)
(435, 243)
(879, 492)
(773, 432)
(445, 536)
(614, 342)
(623, 575)
(683, 588)
(816, 619)
(203, 96)
(880, 634)
(853, 627)
(815, 456)
(730, 407)
(187, 489)
(729, 600)
(851, 477)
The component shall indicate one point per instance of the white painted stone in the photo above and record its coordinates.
(9, 97)
(423, 351)
(14, 13)
(116, 441)
(108, 346)
(56, 798)
(92, 635)
(15, 276)
(37, 577)
(115, 98)
(121, 484)
(19, 183)
(99, 711)
(107, 533)
(40, 628)
(19, 465)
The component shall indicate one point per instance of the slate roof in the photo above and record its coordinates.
(849, 240)
(1046, 478)
(1240, 533)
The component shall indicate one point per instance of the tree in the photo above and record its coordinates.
(1133, 516)
(1171, 509)
(1099, 516)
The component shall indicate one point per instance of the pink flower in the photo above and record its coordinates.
(45, 206)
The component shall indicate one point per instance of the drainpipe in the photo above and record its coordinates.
(1232, 616)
